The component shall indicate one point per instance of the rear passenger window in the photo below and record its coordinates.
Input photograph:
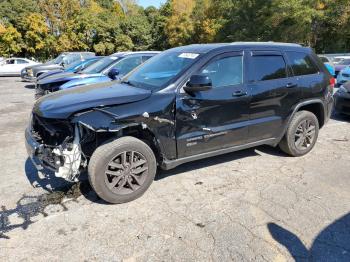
(302, 63)
(268, 67)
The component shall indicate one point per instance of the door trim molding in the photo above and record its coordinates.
(170, 164)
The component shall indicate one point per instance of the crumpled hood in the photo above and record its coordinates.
(65, 76)
(62, 104)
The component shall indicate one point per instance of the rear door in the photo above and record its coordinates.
(274, 92)
(310, 78)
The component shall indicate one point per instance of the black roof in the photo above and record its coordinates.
(205, 48)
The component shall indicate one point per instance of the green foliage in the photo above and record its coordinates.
(44, 28)
(10, 41)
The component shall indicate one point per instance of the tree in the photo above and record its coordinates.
(13, 11)
(179, 27)
(205, 25)
(138, 29)
(36, 32)
(10, 41)
(158, 20)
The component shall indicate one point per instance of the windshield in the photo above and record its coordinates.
(100, 65)
(73, 65)
(161, 69)
(344, 62)
(59, 59)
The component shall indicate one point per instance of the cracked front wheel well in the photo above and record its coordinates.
(139, 132)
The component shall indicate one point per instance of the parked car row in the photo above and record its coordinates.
(30, 73)
(106, 69)
(123, 117)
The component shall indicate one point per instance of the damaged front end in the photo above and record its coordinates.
(57, 145)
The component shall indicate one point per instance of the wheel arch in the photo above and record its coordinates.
(314, 106)
(139, 131)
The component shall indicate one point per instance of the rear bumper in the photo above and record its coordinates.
(329, 103)
(342, 103)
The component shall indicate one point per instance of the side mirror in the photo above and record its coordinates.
(113, 73)
(198, 83)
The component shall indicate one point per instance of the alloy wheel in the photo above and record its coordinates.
(126, 172)
(305, 134)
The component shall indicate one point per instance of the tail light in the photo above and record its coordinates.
(332, 82)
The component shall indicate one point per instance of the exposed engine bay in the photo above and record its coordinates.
(60, 146)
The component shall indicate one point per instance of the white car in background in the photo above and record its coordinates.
(13, 66)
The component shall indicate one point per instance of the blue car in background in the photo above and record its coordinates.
(343, 76)
(329, 64)
(73, 68)
(107, 69)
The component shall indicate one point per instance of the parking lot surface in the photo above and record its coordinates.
(253, 205)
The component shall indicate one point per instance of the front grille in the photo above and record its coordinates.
(30, 72)
(51, 132)
(51, 87)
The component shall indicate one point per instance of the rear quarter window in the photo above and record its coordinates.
(302, 63)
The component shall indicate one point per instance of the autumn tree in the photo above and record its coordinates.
(179, 28)
(10, 40)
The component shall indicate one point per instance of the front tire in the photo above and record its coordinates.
(122, 170)
(301, 135)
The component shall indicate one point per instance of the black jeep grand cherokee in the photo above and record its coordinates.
(184, 104)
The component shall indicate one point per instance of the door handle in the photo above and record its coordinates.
(239, 93)
(291, 85)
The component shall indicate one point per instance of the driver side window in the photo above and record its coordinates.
(226, 71)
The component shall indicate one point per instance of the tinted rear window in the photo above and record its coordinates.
(268, 67)
(302, 63)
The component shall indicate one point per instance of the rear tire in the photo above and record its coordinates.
(301, 134)
(122, 170)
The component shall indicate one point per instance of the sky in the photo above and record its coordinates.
(146, 3)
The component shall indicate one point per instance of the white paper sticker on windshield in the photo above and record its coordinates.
(189, 55)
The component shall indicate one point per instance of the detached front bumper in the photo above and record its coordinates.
(33, 148)
(41, 156)
(63, 160)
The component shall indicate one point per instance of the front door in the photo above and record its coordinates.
(216, 118)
